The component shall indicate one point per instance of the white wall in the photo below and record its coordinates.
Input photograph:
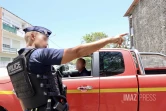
(3, 73)
(4, 62)
(6, 41)
(14, 43)
(22, 44)
(14, 19)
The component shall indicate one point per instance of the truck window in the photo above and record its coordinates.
(71, 68)
(87, 66)
(136, 62)
(135, 59)
(111, 63)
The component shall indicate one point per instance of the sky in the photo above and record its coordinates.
(70, 20)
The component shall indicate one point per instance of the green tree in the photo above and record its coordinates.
(94, 36)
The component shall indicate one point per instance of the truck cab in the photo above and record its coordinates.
(120, 79)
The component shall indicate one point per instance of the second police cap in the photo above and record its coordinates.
(38, 29)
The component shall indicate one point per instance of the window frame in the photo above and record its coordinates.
(139, 61)
(94, 68)
(13, 40)
(6, 20)
(9, 39)
(9, 59)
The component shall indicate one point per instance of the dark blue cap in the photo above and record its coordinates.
(38, 29)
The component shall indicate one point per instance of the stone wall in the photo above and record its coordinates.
(149, 26)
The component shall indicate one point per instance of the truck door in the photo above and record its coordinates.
(152, 84)
(118, 81)
(83, 92)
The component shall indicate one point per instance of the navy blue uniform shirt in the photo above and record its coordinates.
(84, 72)
(41, 59)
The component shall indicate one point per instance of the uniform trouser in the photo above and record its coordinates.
(42, 108)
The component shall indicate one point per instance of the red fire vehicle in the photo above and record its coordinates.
(121, 80)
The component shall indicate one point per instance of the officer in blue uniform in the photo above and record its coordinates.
(40, 62)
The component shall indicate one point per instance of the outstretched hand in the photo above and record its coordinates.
(118, 39)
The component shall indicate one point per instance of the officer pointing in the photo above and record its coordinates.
(35, 81)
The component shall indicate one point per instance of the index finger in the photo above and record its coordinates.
(123, 34)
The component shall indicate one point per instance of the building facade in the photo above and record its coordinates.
(147, 23)
(11, 35)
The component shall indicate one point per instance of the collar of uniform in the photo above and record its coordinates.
(83, 70)
(21, 51)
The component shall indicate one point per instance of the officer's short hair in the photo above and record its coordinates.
(28, 35)
(82, 60)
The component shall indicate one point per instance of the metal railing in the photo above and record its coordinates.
(14, 30)
(9, 28)
(10, 50)
(152, 53)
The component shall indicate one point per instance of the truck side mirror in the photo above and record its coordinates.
(66, 68)
(61, 68)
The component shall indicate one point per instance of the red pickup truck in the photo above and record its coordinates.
(121, 80)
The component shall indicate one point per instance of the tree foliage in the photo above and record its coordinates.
(94, 36)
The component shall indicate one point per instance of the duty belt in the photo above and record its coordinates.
(59, 101)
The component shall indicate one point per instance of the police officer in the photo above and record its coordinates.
(39, 59)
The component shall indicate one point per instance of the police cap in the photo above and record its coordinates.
(38, 29)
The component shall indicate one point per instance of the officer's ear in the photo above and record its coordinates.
(33, 36)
